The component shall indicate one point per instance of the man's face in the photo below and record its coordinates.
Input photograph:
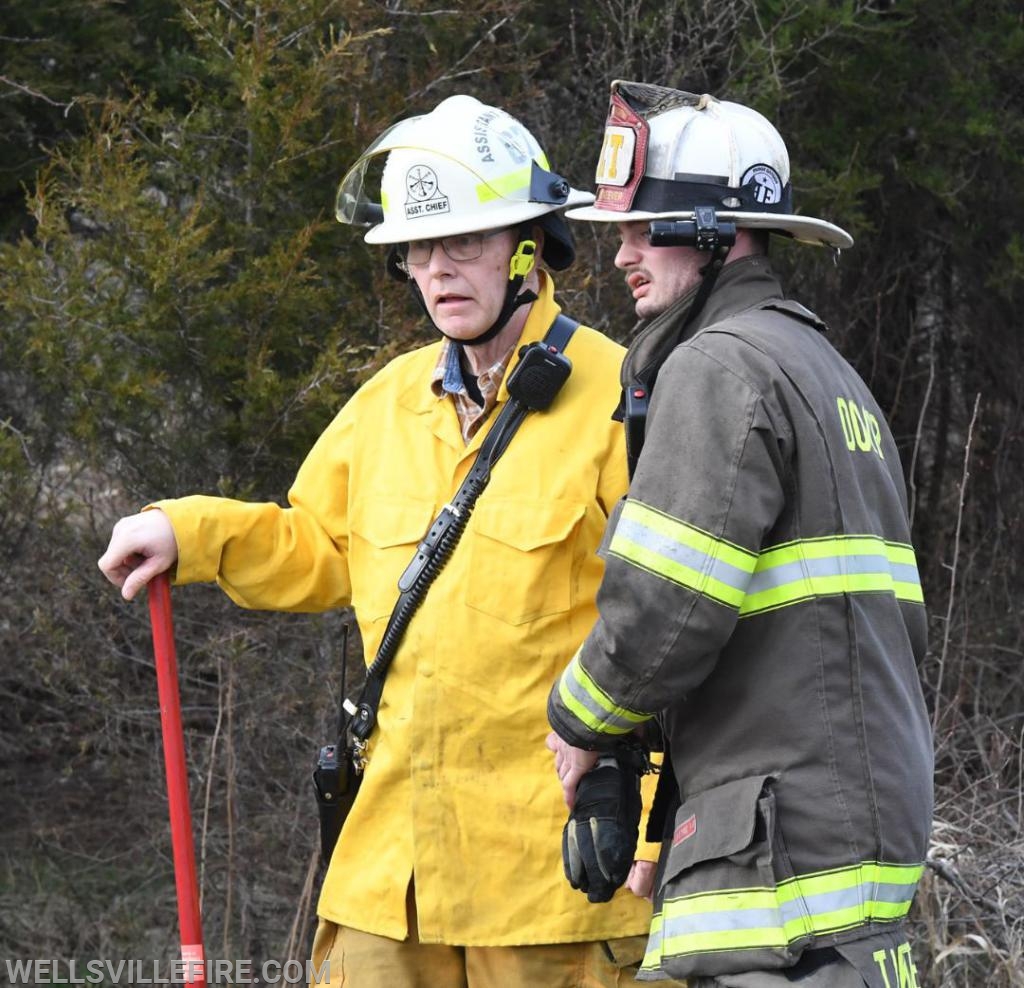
(465, 297)
(656, 276)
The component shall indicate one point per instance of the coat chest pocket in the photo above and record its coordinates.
(522, 558)
(385, 533)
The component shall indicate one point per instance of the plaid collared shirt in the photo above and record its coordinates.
(448, 379)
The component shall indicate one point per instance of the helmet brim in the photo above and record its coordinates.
(806, 229)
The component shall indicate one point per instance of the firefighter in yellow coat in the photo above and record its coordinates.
(447, 871)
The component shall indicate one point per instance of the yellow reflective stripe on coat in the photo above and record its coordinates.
(773, 918)
(809, 568)
(669, 548)
(777, 577)
(591, 705)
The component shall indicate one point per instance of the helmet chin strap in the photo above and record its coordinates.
(522, 262)
(704, 233)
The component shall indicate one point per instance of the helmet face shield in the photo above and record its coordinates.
(351, 204)
(358, 201)
(464, 167)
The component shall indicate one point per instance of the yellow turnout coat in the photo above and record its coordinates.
(459, 790)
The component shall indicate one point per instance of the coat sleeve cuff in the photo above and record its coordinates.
(198, 554)
(571, 729)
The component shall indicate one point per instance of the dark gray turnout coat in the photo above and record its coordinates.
(762, 598)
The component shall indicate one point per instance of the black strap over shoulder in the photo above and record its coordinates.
(560, 333)
(532, 385)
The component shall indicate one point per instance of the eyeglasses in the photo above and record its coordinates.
(459, 247)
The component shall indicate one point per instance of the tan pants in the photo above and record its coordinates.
(364, 960)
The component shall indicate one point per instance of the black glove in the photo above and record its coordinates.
(599, 839)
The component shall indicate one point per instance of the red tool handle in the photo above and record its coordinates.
(177, 781)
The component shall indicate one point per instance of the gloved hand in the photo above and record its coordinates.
(599, 838)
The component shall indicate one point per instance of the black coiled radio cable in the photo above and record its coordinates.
(536, 380)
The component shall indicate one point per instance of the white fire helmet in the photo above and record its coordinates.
(667, 151)
(463, 167)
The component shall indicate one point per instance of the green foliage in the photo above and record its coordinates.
(171, 242)
(57, 57)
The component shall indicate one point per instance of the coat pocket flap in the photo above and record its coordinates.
(714, 824)
(385, 522)
(526, 525)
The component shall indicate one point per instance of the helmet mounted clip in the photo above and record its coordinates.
(705, 231)
(547, 187)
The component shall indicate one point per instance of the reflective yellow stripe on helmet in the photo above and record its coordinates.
(512, 182)
(773, 918)
(505, 186)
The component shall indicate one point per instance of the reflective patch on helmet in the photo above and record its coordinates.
(766, 181)
(616, 161)
(423, 194)
(510, 138)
